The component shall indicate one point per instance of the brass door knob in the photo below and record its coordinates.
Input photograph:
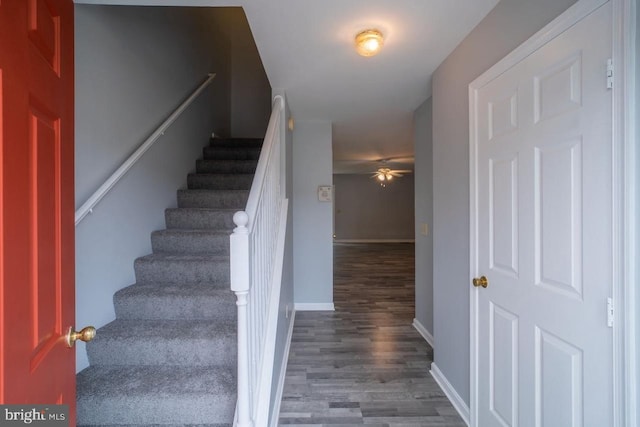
(86, 335)
(481, 281)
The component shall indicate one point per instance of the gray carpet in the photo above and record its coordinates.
(169, 358)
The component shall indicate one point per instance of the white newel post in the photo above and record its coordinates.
(240, 285)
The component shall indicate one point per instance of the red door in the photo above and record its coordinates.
(37, 202)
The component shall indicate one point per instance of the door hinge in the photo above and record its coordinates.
(610, 312)
(609, 73)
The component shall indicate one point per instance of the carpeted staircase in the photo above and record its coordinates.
(170, 356)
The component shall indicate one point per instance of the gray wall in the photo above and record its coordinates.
(509, 24)
(250, 88)
(134, 65)
(366, 211)
(312, 219)
(423, 142)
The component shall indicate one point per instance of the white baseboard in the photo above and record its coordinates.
(451, 393)
(423, 331)
(374, 240)
(283, 373)
(312, 306)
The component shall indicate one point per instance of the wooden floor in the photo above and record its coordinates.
(364, 363)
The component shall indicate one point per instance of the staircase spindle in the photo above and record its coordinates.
(256, 249)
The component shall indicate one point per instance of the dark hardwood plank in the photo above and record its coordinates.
(364, 363)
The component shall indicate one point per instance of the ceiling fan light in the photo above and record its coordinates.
(389, 177)
(369, 42)
(381, 177)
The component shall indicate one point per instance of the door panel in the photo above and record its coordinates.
(503, 215)
(558, 217)
(557, 88)
(503, 332)
(36, 193)
(46, 310)
(544, 235)
(44, 31)
(558, 387)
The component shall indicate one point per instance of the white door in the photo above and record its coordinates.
(544, 235)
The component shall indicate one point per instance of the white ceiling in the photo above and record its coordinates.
(307, 49)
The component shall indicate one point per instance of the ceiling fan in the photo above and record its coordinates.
(384, 174)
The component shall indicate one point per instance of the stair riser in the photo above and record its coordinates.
(226, 166)
(230, 153)
(121, 395)
(219, 181)
(130, 351)
(213, 199)
(158, 409)
(144, 307)
(180, 271)
(157, 425)
(189, 243)
(236, 142)
(199, 219)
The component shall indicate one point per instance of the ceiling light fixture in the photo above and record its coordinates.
(369, 42)
(384, 175)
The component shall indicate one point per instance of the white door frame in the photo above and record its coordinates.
(625, 237)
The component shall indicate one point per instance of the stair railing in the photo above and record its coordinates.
(102, 191)
(257, 253)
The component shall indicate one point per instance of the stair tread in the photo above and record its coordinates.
(228, 161)
(214, 181)
(192, 231)
(156, 395)
(180, 268)
(188, 291)
(225, 175)
(241, 167)
(155, 425)
(155, 379)
(234, 148)
(236, 142)
(200, 218)
(205, 198)
(201, 211)
(185, 301)
(165, 342)
(237, 145)
(208, 190)
(219, 138)
(191, 241)
(223, 152)
(204, 210)
(134, 330)
(222, 174)
(184, 257)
